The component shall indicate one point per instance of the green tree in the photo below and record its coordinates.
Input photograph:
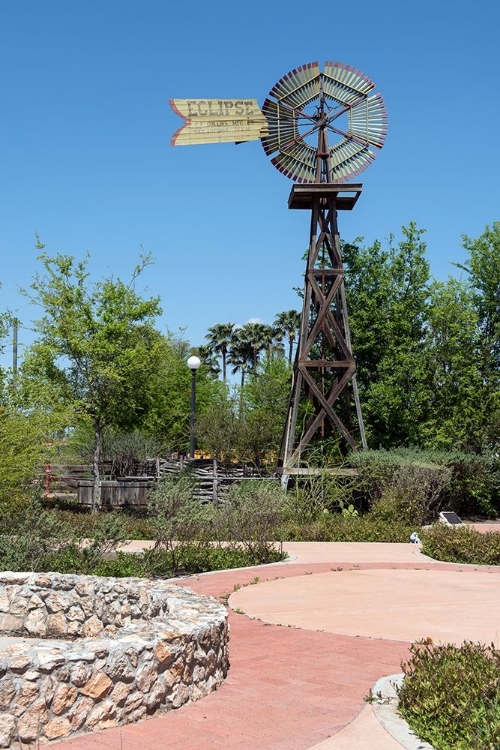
(241, 356)
(483, 269)
(220, 338)
(458, 402)
(259, 337)
(96, 347)
(28, 441)
(265, 398)
(169, 415)
(287, 326)
(387, 295)
(218, 428)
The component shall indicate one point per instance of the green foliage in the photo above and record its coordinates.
(450, 695)
(428, 353)
(177, 520)
(259, 337)
(248, 428)
(64, 542)
(40, 539)
(31, 537)
(483, 268)
(340, 527)
(312, 495)
(413, 493)
(457, 408)
(461, 544)
(218, 428)
(123, 450)
(202, 557)
(387, 295)
(425, 481)
(107, 534)
(265, 398)
(250, 516)
(96, 342)
(168, 418)
(26, 444)
(475, 485)
(287, 326)
(175, 515)
(220, 338)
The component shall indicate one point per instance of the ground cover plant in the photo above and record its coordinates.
(450, 695)
(328, 527)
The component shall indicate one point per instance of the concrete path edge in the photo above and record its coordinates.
(385, 708)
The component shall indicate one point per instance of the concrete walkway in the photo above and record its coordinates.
(317, 632)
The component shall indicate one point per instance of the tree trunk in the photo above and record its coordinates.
(290, 350)
(215, 489)
(96, 495)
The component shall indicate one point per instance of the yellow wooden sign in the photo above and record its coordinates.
(218, 121)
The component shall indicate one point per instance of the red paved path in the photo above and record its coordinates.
(287, 689)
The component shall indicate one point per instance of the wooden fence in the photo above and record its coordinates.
(75, 482)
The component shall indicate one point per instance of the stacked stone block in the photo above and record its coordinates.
(100, 652)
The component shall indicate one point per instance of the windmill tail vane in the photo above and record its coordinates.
(218, 121)
(320, 128)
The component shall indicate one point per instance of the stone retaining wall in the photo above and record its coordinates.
(102, 652)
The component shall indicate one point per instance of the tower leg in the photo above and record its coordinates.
(324, 372)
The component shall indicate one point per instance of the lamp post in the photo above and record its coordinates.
(193, 363)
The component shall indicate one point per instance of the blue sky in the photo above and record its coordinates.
(86, 161)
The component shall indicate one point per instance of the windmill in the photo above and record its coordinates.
(320, 128)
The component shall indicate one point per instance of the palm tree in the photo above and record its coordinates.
(287, 324)
(206, 354)
(241, 356)
(259, 336)
(220, 337)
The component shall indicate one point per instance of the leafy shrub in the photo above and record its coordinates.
(475, 485)
(462, 544)
(312, 495)
(176, 518)
(467, 483)
(135, 524)
(122, 565)
(41, 540)
(121, 452)
(107, 534)
(26, 541)
(26, 444)
(250, 516)
(450, 695)
(413, 493)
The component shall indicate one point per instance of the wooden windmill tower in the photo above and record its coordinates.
(319, 128)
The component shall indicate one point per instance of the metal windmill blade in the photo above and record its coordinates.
(306, 105)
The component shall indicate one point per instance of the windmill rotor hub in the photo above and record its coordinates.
(337, 93)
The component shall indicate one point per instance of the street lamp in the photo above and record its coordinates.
(193, 363)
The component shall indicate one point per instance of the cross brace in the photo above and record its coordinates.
(325, 369)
